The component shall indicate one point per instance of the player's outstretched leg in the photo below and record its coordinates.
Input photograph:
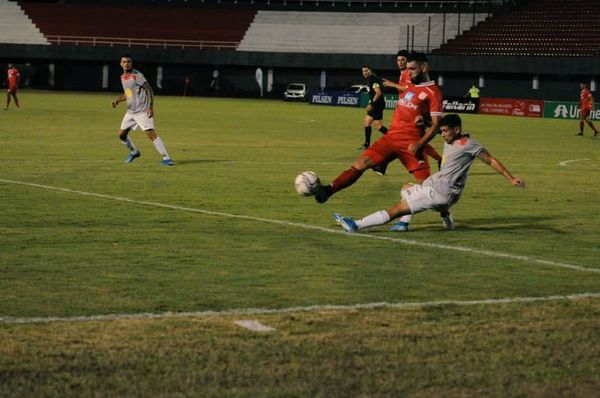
(344, 180)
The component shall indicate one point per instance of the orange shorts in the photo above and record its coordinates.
(585, 113)
(386, 150)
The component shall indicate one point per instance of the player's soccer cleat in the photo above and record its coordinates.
(133, 156)
(364, 146)
(321, 194)
(448, 222)
(166, 162)
(380, 169)
(595, 133)
(400, 226)
(580, 133)
(346, 222)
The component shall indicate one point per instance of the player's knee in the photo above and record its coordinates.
(362, 163)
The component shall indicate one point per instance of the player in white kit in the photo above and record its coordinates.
(441, 190)
(140, 111)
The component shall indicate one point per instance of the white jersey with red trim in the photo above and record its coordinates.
(457, 160)
(138, 99)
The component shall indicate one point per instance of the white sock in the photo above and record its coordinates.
(160, 147)
(378, 218)
(127, 142)
(406, 218)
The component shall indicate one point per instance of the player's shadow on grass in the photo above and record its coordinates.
(195, 161)
(531, 223)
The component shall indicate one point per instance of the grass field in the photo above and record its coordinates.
(96, 256)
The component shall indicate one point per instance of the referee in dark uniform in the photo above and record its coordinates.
(374, 116)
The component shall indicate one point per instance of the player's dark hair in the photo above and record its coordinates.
(452, 120)
(416, 56)
(403, 53)
(126, 56)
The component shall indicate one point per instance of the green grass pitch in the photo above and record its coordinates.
(83, 234)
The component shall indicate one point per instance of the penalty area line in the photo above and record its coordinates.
(339, 231)
(288, 310)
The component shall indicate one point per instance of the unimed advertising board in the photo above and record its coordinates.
(565, 110)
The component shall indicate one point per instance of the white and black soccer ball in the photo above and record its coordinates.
(306, 183)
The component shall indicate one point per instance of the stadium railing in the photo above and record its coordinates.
(140, 42)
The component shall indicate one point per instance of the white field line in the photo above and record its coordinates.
(566, 162)
(313, 308)
(409, 242)
(254, 326)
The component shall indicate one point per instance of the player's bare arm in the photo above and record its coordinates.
(399, 87)
(118, 100)
(377, 95)
(146, 86)
(428, 136)
(500, 168)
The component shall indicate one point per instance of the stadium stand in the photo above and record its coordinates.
(107, 24)
(16, 27)
(537, 28)
(352, 33)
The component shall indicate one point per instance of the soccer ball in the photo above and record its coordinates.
(306, 183)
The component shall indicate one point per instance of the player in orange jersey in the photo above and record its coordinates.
(403, 83)
(13, 82)
(586, 106)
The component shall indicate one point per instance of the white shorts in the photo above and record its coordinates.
(421, 198)
(131, 121)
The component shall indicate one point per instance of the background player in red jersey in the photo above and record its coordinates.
(586, 106)
(403, 139)
(404, 80)
(13, 77)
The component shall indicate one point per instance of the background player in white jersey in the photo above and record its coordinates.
(443, 189)
(140, 111)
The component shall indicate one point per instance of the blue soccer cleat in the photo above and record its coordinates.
(166, 162)
(133, 156)
(400, 227)
(346, 222)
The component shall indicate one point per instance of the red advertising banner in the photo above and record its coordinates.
(511, 107)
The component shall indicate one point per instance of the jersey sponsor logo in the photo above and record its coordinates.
(128, 92)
